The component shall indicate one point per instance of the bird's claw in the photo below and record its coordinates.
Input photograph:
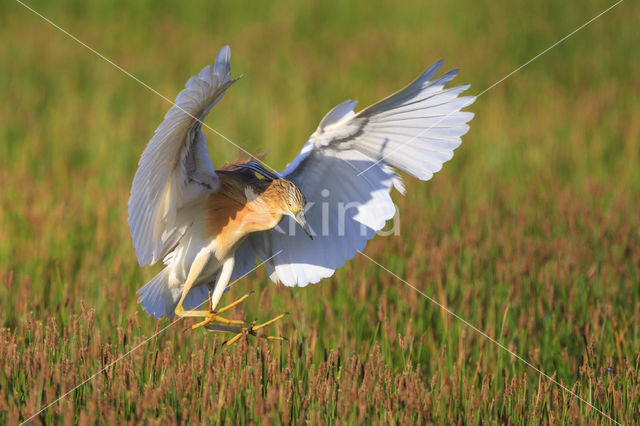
(214, 322)
(212, 316)
(252, 330)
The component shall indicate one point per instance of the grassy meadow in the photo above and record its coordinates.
(531, 232)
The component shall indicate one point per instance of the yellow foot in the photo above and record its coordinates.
(252, 330)
(212, 316)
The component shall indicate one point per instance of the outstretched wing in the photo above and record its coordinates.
(175, 167)
(345, 170)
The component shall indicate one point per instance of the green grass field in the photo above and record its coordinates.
(530, 233)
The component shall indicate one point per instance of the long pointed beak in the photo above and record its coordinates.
(303, 222)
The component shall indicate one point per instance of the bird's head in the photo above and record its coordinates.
(293, 203)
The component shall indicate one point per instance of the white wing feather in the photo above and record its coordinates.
(175, 168)
(344, 169)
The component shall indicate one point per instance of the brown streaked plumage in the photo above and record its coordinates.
(245, 203)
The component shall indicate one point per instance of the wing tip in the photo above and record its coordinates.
(431, 71)
(338, 113)
(224, 54)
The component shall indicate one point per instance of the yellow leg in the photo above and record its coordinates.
(232, 304)
(197, 266)
(194, 271)
(212, 316)
(212, 321)
(253, 328)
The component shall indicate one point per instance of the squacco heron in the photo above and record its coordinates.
(208, 226)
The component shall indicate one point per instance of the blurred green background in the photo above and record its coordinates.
(530, 232)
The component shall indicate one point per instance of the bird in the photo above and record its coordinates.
(209, 227)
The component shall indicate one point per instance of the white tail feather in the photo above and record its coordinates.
(159, 299)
